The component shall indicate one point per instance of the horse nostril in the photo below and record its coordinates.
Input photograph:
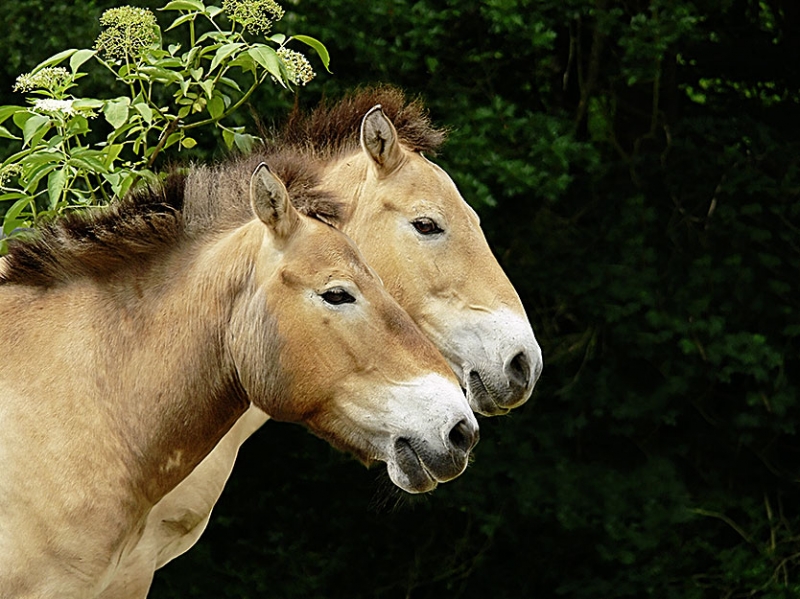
(463, 436)
(518, 370)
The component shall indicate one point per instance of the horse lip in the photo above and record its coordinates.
(412, 465)
(480, 395)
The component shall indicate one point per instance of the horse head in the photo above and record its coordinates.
(411, 223)
(355, 369)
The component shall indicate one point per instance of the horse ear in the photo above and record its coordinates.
(379, 140)
(270, 202)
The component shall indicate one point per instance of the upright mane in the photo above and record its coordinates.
(98, 242)
(308, 140)
(333, 129)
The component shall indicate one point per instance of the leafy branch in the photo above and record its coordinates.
(166, 92)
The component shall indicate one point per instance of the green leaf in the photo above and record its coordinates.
(172, 139)
(88, 163)
(230, 83)
(244, 142)
(217, 36)
(267, 58)
(318, 46)
(7, 111)
(188, 142)
(168, 62)
(228, 138)
(120, 181)
(144, 110)
(41, 157)
(222, 53)
(111, 153)
(187, 60)
(160, 74)
(79, 58)
(55, 185)
(37, 174)
(17, 157)
(78, 125)
(278, 38)
(180, 20)
(5, 133)
(208, 87)
(21, 117)
(213, 11)
(184, 5)
(216, 107)
(12, 220)
(55, 59)
(244, 61)
(87, 103)
(116, 112)
(33, 125)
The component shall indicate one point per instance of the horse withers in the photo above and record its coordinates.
(135, 338)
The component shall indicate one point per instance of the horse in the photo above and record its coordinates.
(360, 165)
(139, 335)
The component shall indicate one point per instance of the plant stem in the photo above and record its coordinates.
(233, 108)
(167, 132)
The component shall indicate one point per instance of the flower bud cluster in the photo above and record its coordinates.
(49, 78)
(300, 70)
(128, 31)
(256, 16)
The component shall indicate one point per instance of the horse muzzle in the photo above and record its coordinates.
(418, 465)
(499, 386)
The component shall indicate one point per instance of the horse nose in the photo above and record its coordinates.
(522, 373)
(463, 437)
(518, 371)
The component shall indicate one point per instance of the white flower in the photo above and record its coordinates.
(63, 107)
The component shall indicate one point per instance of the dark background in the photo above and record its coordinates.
(636, 168)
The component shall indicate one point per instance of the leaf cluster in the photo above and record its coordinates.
(77, 151)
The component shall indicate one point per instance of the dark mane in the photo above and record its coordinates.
(308, 141)
(98, 242)
(330, 130)
(152, 220)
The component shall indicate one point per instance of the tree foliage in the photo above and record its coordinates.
(636, 168)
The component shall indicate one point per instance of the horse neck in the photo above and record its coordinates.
(173, 388)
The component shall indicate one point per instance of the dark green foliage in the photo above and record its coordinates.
(637, 169)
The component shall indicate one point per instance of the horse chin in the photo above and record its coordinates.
(407, 470)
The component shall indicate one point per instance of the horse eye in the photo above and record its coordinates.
(337, 296)
(426, 226)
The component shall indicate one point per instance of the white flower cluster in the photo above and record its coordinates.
(63, 107)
